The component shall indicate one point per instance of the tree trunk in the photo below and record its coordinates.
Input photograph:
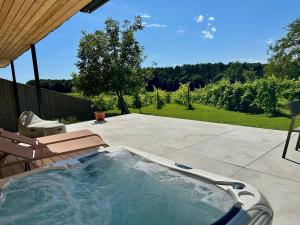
(123, 104)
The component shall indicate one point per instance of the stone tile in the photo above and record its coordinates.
(228, 150)
(266, 138)
(201, 162)
(272, 163)
(155, 148)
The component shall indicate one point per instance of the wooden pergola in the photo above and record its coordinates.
(23, 23)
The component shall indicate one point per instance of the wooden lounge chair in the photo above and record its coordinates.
(31, 149)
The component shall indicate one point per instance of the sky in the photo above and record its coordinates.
(176, 32)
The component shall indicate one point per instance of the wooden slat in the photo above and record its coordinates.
(27, 22)
(4, 59)
(17, 165)
(11, 16)
(1, 4)
(17, 21)
(42, 30)
(38, 14)
(63, 14)
(5, 10)
(64, 136)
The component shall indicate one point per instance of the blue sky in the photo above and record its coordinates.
(176, 32)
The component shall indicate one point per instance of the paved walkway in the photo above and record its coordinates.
(249, 154)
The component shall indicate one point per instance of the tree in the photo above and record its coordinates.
(63, 86)
(249, 75)
(284, 61)
(110, 60)
(234, 72)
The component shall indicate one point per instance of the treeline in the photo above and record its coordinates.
(170, 78)
(199, 75)
(63, 86)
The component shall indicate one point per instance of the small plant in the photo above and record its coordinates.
(99, 104)
(68, 120)
(159, 98)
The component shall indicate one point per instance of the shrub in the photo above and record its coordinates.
(258, 96)
(104, 103)
(147, 99)
(159, 97)
(248, 103)
(291, 94)
(137, 101)
(267, 95)
(289, 89)
(179, 96)
(129, 101)
(68, 120)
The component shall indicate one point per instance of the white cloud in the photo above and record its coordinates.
(211, 18)
(252, 60)
(145, 15)
(213, 29)
(180, 31)
(154, 25)
(206, 34)
(199, 18)
(270, 41)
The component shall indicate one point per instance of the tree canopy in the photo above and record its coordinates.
(199, 75)
(110, 60)
(284, 59)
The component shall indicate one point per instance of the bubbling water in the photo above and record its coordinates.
(113, 189)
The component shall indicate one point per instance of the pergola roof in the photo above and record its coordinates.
(25, 22)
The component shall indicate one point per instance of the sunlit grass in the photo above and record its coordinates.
(212, 114)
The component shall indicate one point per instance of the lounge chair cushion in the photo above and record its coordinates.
(31, 125)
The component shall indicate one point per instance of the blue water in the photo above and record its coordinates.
(112, 189)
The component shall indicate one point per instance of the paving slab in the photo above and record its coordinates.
(229, 150)
(272, 163)
(264, 138)
(202, 162)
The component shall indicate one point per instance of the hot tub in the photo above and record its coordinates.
(118, 185)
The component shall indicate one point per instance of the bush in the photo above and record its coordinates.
(258, 96)
(182, 96)
(291, 94)
(289, 89)
(160, 97)
(267, 95)
(147, 98)
(68, 120)
(104, 102)
(248, 103)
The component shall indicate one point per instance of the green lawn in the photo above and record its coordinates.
(211, 114)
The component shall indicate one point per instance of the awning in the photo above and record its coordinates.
(26, 22)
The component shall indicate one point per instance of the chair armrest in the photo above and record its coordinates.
(18, 138)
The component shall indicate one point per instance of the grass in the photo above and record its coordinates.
(212, 114)
(75, 94)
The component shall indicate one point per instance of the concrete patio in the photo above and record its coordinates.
(249, 154)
